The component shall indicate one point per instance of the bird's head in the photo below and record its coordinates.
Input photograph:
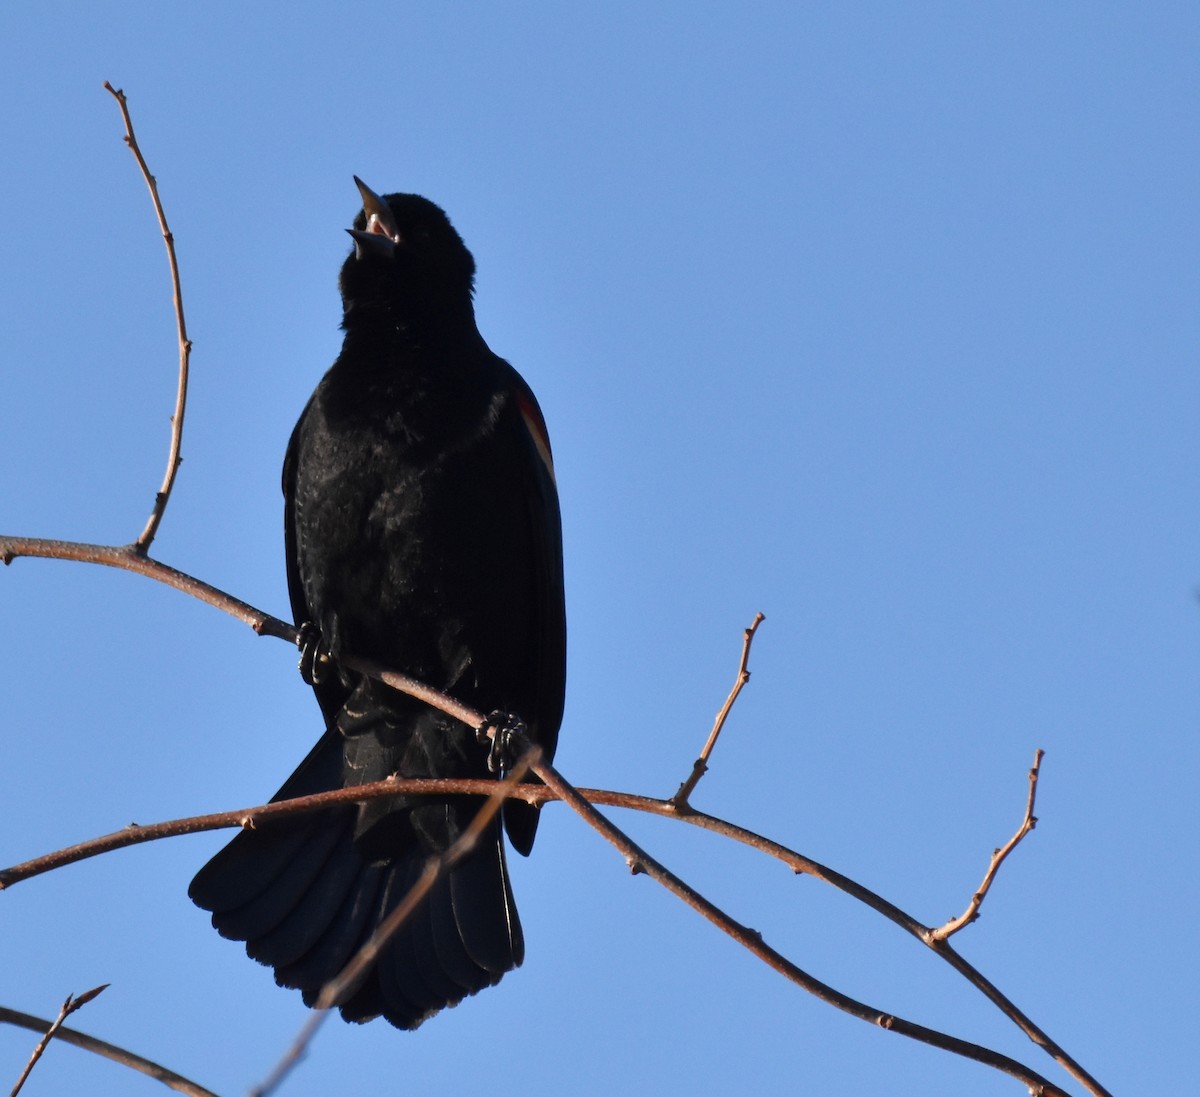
(408, 260)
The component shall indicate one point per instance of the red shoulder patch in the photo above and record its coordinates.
(532, 415)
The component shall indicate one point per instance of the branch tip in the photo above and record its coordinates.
(69, 1006)
(936, 937)
(700, 766)
(72, 1004)
(146, 537)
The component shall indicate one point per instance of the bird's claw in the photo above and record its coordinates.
(506, 728)
(314, 658)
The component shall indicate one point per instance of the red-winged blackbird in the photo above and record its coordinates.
(423, 533)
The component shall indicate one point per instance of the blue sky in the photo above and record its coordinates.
(879, 319)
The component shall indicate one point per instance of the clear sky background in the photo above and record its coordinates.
(878, 318)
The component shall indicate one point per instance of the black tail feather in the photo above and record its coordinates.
(304, 897)
(491, 937)
(409, 997)
(449, 954)
(445, 979)
(287, 887)
(308, 918)
(343, 937)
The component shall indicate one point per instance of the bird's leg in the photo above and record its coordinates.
(505, 728)
(314, 658)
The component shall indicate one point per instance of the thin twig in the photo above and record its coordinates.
(943, 933)
(293, 1055)
(435, 867)
(68, 1007)
(142, 544)
(443, 702)
(102, 1048)
(700, 767)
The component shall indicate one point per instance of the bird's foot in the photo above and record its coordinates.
(314, 657)
(505, 729)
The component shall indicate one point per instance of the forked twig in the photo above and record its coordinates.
(700, 766)
(68, 1007)
(142, 544)
(106, 1050)
(969, 915)
(641, 862)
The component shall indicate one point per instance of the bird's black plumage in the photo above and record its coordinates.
(422, 532)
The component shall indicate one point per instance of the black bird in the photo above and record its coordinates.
(423, 533)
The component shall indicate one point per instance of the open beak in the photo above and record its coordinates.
(381, 235)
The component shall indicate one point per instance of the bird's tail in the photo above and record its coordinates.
(305, 896)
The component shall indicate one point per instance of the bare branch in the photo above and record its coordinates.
(293, 1055)
(969, 915)
(799, 863)
(443, 702)
(108, 1051)
(128, 558)
(249, 818)
(700, 767)
(68, 1007)
(641, 862)
(540, 794)
(142, 544)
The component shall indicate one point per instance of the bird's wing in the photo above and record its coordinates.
(542, 515)
(331, 692)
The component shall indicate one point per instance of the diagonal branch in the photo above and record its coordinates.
(700, 766)
(174, 460)
(641, 862)
(799, 863)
